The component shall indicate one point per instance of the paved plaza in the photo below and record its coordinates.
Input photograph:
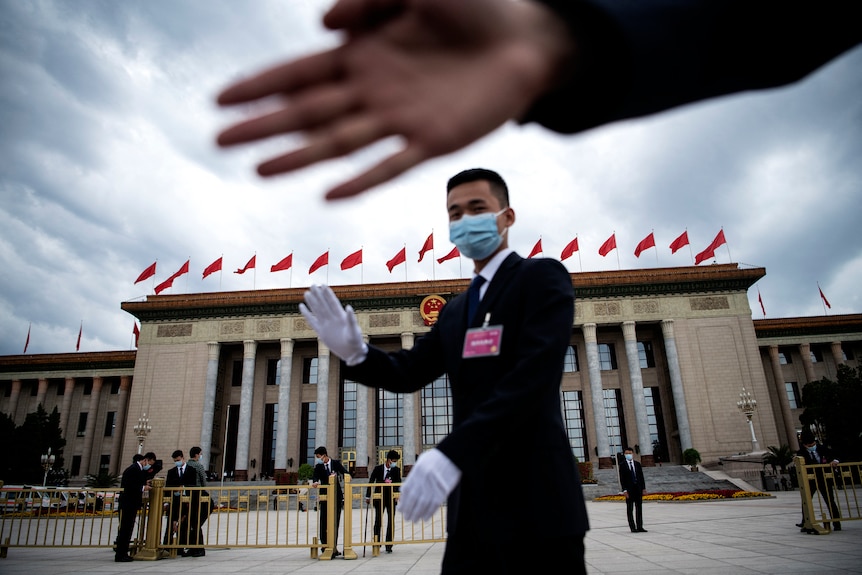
(703, 538)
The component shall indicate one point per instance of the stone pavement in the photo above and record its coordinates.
(704, 538)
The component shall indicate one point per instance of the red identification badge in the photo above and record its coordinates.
(483, 341)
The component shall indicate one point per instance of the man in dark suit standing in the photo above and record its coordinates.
(385, 473)
(633, 485)
(817, 454)
(183, 515)
(134, 483)
(322, 471)
(502, 345)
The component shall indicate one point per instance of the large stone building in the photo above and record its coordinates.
(658, 359)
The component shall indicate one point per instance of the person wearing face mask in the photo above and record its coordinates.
(181, 475)
(502, 344)
(385, 473)
(134, 483)
(818, 454)
(634, 487)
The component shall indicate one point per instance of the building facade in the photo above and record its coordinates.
(657, 360)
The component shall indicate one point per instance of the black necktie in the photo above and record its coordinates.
(634, 473)
(180, 469)
(473, 297)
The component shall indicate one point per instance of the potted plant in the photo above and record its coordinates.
(691, 457)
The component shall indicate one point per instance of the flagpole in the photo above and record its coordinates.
(221, 271)
(727, 245)
(822, 302)
(655, 247)
(327, 266)
(405, 262)
(690, 251)
(580, 262)
(433, 257)
(362, 266)
(254, 278)
(290, 281)
(616, 249)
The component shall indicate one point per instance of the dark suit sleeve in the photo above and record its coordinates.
(639, 57)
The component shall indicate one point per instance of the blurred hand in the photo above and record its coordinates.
(439, 74)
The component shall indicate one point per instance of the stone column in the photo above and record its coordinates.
(603, 444)
(67, 406)
(210, 384)
(409, 447)
(116, 462)
(362, 414)
(92, 416)
(644, 441)
(321, 434)
(286, 369)
(13, 398)
(805, 352)
(676, 384)
(786, 413)
(41, 392)
(246, 409)
(837, 353)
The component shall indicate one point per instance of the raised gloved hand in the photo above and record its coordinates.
(334, 324)
(430, 482)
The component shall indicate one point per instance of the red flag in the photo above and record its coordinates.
(427, 246)
(760, 299)
(250, 265)
(610, 244)
(283, 264)
(399, 258)
(80, 330)
(826, 301)
(570, 249)
(537, 249)
(645, 244)
(323, 260)
(164, 285)
(709, 252)
(213, 267)
(27, 342)
(679, 242)
(719, 240)
(136, 331)
(450, 256)
(352, 260)
(147, 273)
(184, 269)
(704, 255)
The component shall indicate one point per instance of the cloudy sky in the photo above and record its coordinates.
(107, 128)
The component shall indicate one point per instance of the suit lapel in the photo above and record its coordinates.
(497, 286)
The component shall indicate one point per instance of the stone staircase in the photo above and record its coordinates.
(668, 477)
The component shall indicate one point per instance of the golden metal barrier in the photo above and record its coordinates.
(839, 489)
(236, 516)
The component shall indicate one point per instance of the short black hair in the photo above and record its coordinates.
(495, 181)
(393, 455)
(628, 449)
(137, 457)
(195, 451)
(320, 451)
(177, 453)
(150, 455)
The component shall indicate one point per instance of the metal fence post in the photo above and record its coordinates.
(347, 550)
(150, 552)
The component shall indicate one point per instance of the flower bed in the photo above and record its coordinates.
(691, 495)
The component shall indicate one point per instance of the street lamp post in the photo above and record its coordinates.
(142, 429)
(748, 405)
(47, 463)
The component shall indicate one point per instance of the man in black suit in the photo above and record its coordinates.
(183, 515)
(387, 472)
(817, 454)
(502, 345)
(134, 483)
(324, 468)
(634, 487)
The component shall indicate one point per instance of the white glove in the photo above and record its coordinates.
(336, 325)
(430, 482)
